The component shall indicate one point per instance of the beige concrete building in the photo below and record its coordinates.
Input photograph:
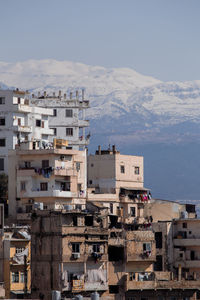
(45, 179)
(108, 171)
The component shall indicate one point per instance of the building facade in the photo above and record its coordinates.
(69, 119)
(20, 122)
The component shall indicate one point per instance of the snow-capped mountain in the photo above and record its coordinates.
(138, 113)
(125, 105)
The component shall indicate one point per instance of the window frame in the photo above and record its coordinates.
(76, 247)
(69, 113)
(3, 144)
(43, 186)
(122, 169)
(137, 170)
(2, 121)
(2, 100)
(69, 131)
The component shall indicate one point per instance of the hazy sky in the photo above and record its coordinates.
(160, 38)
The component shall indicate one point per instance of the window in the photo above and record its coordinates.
(28, 208)
(137, 170)
(122, 168)
(42, 124)
(19, 122)
(113, 289)
(2, 142)
(20, 250)
(96, 248)
(54, 131)
(45, 163)
(22, 277)
(2, 100)
(146, 247)
(131, 276)
(158, 264)
(38, 123)
(44, 186)
(90, 181)
(65, 186)
(2, 121)
(158, 238)
(69, 131)
(15, 276)
(184, 225)
(23, 186)
(132, 211)
(111, 208)
(18, 100)
(27, 164)
(78, 166)
(1, 164)
(69, 113)
(55, 112)
(75, 247)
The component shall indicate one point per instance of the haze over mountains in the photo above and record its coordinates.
(140, 114)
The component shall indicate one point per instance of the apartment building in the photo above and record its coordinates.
(20, 122)
(45, 179)
(69, 116)
(17, 259)
(109, 171)
(69, 252)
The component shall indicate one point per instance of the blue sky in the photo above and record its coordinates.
(155, 37)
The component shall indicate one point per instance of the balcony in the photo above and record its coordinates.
(26, 129)
(47, 131)
(81, 142)
(149, 281)
(96, 286)
(145, 256)
(65, 172)
(54, 193)
(188, 263)
(187, 242)
(83, 123)
(24, 216)
(22, 108)
(26, 172)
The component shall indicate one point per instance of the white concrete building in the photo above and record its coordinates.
(52, 178)
(68, 120)
(20, 122)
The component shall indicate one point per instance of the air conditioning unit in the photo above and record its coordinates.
(76, 255)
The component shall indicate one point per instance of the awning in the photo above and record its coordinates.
(135, 189)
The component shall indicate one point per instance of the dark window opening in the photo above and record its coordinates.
(192, 255)
(2, 121)
(38, 123)
(75, 247)
(115, 253)
(137, 170)
(69, 131)
(190, 208)
(2, 142)
(122, 169)
(158, 263)
(55, 112)
(96, 248)
(69, 113)
(88, 220)
(113, 289)
(45, 163)
(2, 100)
(75, 221)
(1, 164)
(184, 225)
(111, 208)
(44, 186)
(132, 211)
(158, 238)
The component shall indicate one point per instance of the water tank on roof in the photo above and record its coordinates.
(68, 207)
(95, 296)
(184, 215)
(56, 295)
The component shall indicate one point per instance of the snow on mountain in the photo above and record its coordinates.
(124, 104)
